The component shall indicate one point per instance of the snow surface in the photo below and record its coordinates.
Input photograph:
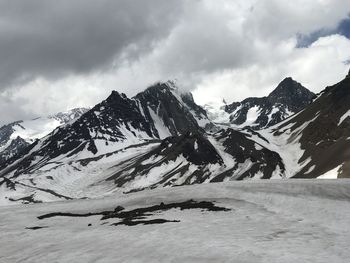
(332, 174)
(252, 116)
(71, 178)
(342, 118)
(229, 161)
(159, 125)
(273, 111)
(155, 174)
(216, 112)
(270, 221)
(310, 169)
(195, 145)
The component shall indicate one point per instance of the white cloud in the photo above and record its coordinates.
(320, 65)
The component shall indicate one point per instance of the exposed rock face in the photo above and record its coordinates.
(288, 98)
(257, 160)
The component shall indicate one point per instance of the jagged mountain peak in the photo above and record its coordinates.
(172, 85)
(286, 85)
(317, 138)
(287, 98)
(115, 96)
(157, 90)
(287, 81)
(164, 98)
(168, 86)
(291, 94)
(290, 89)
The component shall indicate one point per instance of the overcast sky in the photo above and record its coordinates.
(56, 55)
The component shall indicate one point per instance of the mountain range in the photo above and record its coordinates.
(162, 138)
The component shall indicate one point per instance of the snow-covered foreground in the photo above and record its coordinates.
(269, 221)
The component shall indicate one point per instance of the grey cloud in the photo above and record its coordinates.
(236, 34)
(86, 48)
(344, 27)
(11, 111)
(204, 42)
(55, 38)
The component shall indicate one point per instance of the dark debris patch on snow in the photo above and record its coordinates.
(36, 227)
(144, 222)
(26, 200)
(139, 215)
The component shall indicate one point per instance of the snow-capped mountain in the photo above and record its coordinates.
(115, 123)
(156, 138)
(14, 137)
(160, 138)
(191, 158)
(288, 98)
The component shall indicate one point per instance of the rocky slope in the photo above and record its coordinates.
(194, 158)
(322, 133)
(191, 158)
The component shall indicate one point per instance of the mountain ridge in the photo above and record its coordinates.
(258, 113)
(160, 138)
(116, 123)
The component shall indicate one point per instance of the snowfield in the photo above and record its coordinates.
(268, 221)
